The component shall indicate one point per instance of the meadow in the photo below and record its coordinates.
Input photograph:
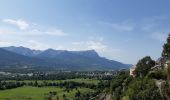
(36, 93)
(41, 93)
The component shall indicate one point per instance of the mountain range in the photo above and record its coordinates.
(22, 57)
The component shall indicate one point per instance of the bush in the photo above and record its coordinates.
(143, 89)
(144, 66)
(166, 90)
(159, 74)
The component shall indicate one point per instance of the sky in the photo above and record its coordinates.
(122, 30)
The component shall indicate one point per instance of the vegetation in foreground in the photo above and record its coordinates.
(149, 82)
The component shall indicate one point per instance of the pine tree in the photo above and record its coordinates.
(166, 48)
(166, 55)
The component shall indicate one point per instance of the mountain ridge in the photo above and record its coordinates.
(64, 59)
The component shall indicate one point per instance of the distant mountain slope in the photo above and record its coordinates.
(11, 59)
(80, 59)
(22, 50)
(60, 59)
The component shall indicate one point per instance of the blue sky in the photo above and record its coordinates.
(122, 30)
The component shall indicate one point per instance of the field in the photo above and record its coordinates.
(35, 93)
(40, 93)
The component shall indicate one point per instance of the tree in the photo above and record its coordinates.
(64, 97)
(118, 80)
(36, 83)
(144, 66)
(57, 97)
(166, 90)
(166, 54)
(168, 73)
(142, 89)
(166, 48)
(78, 93)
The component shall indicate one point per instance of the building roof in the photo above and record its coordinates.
(159, 60)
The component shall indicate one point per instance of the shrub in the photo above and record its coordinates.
(158, 74)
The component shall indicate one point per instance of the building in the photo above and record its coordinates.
(132, 71)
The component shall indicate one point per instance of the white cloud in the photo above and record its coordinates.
(95, 43)
(32, 44)
(98, 46)
(4, 43)
(4, 31)
(55, 32)
(26, 29)
(85, 45)
(35, 45)
(101, 38)
(34, 32)
(80, 43)
(21, 24)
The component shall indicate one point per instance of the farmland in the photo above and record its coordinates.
(36, 93)
(53, 86)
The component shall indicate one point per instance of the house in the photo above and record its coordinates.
(132, 70)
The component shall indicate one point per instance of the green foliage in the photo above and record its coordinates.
(35, 93)
(166, 90)
(168, 73)
(158, 74)
(144, 66)
(166, 48)
(118, 80)
(143, 89)
(118, 83)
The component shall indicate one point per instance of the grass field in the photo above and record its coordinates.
(35, 93)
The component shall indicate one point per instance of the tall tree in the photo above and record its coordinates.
(166, 55)
(166, 48)
(144, 66)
